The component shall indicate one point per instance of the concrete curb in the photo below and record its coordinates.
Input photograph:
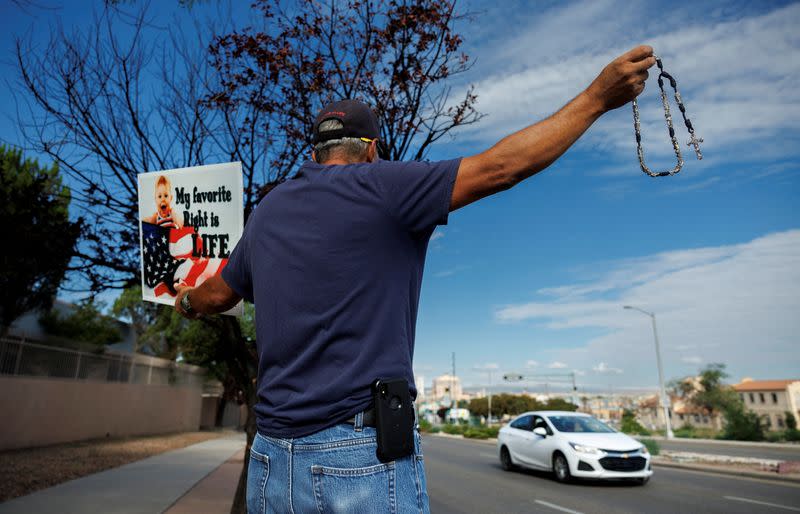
(459, 436)
(753, 444)
(727, 471)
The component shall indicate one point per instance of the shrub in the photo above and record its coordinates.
(686, 430)
(773, 437)
(791, 421)
(792, 434)
(652, 446)
(742, 425)
(454, 429)
(475, 433)
(425, 425)
(630, 425)
(481, 432)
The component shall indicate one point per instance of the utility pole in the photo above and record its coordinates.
(453, 382)
(574, 390)
(489, 419)
(664, 400)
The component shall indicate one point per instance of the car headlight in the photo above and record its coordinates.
(644, 450)
(586, 449)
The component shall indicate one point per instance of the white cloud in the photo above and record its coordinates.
(437, 234)
(531, 364)
(737, 78)
(605, 368)
(487, 366)
(557, 365)
(735, 304)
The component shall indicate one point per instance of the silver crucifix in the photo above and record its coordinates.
(696, 144)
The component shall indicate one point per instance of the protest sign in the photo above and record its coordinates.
(190, 220)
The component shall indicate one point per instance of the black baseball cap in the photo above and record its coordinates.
(357, 118)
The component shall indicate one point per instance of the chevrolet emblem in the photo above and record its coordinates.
(624, 455)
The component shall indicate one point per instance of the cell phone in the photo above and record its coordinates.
(394, 418)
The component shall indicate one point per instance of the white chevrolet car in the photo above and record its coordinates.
(571, 444)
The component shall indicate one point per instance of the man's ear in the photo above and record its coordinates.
(372, 151)
(314, 156)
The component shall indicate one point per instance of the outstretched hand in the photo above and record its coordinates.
(623, 79)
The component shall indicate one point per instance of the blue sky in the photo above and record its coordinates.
(533, 280)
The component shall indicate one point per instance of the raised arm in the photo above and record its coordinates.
(211, 297)
(532, 149)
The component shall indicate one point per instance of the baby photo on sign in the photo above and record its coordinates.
(190, 220)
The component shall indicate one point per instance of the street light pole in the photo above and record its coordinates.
(664, 404)
(489, 420)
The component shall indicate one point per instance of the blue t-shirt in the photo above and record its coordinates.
(333, 261)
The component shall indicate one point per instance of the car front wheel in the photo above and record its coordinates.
(505, 459)
(561, 468)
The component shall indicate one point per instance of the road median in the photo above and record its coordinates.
(661, 462)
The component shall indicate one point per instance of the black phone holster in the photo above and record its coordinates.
(394, 418)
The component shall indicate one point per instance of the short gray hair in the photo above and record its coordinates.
(348, 147)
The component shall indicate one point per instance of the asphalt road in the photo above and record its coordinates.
(465, 476)
(762, 452)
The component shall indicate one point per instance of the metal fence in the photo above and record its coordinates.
(20, 357)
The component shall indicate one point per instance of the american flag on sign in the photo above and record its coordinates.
(168, 260)
(159, 264)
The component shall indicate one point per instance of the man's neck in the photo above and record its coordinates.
(338, 161)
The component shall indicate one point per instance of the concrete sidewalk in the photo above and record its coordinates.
(213, 494)
(149, 486)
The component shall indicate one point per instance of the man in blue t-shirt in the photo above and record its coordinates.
(333, 260)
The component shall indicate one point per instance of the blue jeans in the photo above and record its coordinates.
(333, 470)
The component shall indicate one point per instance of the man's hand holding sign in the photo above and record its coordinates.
(191, 219)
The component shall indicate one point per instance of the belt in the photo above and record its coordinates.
(369, 418)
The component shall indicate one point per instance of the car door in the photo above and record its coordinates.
(541, 448)
(519, 438)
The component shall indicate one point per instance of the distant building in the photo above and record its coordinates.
(446, 386)
(771, 399)
(681, 413)
(606, 408)
(419, 382)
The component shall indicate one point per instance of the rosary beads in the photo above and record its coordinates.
(693, 141)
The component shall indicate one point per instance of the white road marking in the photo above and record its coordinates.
(557, 507)
(748, 500)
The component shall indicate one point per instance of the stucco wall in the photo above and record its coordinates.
(44, 411)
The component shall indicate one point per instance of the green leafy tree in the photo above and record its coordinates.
(559, 404)
(84, 324)
(38, 235)
(630, 425)
(142, 315)
(791, 433)
(681, 387)
(713, 396)
(166, 334)
(480, 407)
(791, 421)
(502, 404)
(741, 424)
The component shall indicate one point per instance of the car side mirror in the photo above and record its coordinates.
(540, 431)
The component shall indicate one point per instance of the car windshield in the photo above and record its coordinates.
(578, 424)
